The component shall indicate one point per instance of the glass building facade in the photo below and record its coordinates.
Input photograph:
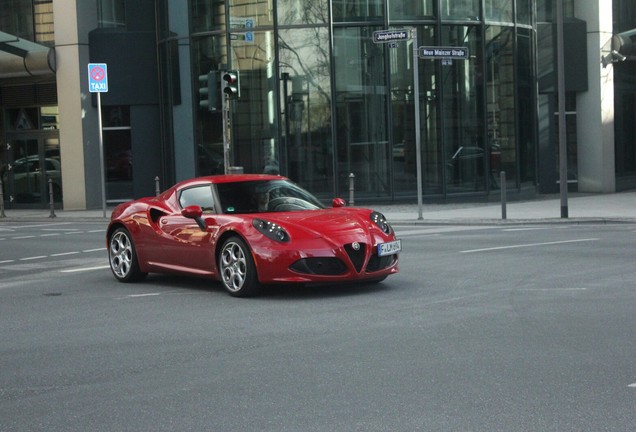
(320, 100)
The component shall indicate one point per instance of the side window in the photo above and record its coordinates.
(199, 195)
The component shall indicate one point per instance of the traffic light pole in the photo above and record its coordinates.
(225, 108)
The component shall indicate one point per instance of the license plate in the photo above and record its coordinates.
(389, 248)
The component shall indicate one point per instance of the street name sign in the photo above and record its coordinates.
(384, 36)
(436, 52)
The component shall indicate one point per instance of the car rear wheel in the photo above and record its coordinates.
(123, 257)
(236, 268)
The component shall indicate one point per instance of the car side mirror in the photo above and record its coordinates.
(194, 212)
(338, 202)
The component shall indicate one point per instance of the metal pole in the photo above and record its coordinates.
(563, 156)
(352, 177)
(157, 190)
(2, 215)
(418, 146)
(225, 107)
(502, 186)
(101, 153)
(51, 199)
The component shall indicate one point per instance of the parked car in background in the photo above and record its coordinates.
(28, 178)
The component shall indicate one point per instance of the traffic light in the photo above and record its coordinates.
(232, 85)
(209, 91)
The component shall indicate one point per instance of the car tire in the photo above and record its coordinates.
(236, 268)
(122, 257)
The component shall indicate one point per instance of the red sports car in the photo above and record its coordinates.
(248, 230)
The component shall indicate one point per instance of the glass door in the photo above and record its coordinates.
(27, 165)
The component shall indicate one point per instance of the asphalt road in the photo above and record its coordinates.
(486, 328)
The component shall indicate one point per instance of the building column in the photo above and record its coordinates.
(595, 108)
(79, 137)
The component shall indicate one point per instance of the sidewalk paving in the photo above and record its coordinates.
(615, 207)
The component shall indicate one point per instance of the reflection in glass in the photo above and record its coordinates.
(403, 119)
(400, 9)
(526, 107)
(462, 82)
(362, 142)
(357, 10)
(246, 14)
(460, 9)
(292, 12)
(255, 114)
(499, 10)
(306, 108)
(500, 91)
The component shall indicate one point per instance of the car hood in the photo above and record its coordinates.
(325, 223)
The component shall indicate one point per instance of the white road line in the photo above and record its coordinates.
(82, 269)
(632, 385)
(528, 245)
(525, 229)
(33, 258)
(23, 237)
(94, 250)
(49, 235)
(63, 254)
(142, 295)
(551, 289)
(6, 261)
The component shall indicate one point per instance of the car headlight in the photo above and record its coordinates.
(271, 230)
(379, 219)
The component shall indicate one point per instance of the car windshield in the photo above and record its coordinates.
(265, 196)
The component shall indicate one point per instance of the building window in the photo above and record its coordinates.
(306, 108)
(500, 98)
(358, 10)
(465, 149)
(361, 112)
(111, 13)
(117, 143)
(461, 10)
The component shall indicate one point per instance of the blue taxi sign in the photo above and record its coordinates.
(97, 78)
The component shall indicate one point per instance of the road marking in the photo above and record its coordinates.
(551, 289)
(529, 245)
(142, 295)
(6, 261)
(33, 258)
(83, 269)
(94, 250)
(23, 237)
(525, 229)
(64, 253)
(632, 385)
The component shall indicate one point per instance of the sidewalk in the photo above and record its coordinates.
(616, 207)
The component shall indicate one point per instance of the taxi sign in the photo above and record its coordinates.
(97, 78)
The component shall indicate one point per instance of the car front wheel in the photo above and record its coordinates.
(123, 257)
(236, 268)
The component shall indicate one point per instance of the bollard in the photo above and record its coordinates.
(51, 200)
(352, 177)
(502, 187)
(2, 215)
(157, 190)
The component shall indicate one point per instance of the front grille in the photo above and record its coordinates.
(319, 266)
(356, 256)
(378, 263)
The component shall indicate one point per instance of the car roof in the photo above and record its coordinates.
(226, 178)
